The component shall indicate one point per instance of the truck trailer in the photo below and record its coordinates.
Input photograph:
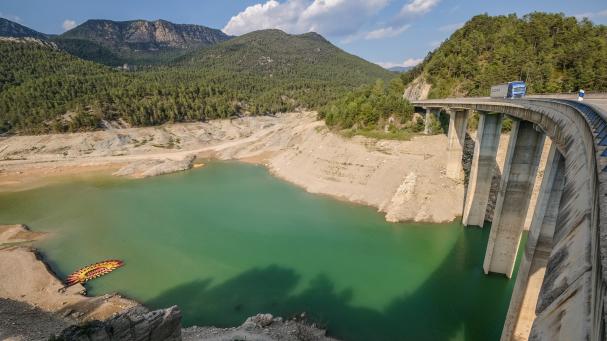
(516, 89)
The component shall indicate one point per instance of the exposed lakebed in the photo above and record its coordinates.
(229, 241)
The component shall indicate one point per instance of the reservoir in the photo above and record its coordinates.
(229, 240)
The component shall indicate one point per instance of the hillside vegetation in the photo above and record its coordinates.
(551, 52)
(369, 109)
(284, 71)
(48, 90)
(52, 91)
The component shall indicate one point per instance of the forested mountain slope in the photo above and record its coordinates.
(551, 52)
(45, 89)
(48, 90)
(284, 71)
(274, 53)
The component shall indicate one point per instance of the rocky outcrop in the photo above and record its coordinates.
(165, 324)
(148, 168)
(145, 35)
(17, 234)
(262, 327)
(137, 324)
(418, 89)
(29, 40)
(403, 194)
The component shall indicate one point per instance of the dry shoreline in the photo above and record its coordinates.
(403, 179)
(26, 278)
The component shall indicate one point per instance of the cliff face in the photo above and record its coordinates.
(145, 35)
(417, 90)
(136, 324)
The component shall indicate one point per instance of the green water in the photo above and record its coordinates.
(228, 241)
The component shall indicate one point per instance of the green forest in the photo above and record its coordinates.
(370, 108)
(551, 52)
(44, 89)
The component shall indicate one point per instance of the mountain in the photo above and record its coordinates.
(400, 69)
(12, 29)
(137, 41)
(45, 89)
(276, 54)
(284, 71)
(551, 52)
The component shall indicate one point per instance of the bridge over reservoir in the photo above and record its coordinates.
(560, 288)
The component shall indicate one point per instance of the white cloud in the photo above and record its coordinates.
(328, 17)
(68, 24)
(406, 63)
(14, 18)
(591, 15)
(416, 7)
(451, 27)
(386, 32)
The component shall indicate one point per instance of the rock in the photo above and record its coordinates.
(261, 320)
(261, 327)
(418, 89)
(170, 166)
(148, 168)
(136, 324)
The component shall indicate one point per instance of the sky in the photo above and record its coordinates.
(386, 32)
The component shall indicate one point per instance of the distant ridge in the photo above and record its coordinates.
(145, 35)
(136, 41)
(12, 29)
(400, 69)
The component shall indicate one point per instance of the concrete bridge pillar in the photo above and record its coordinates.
(522, 160)
(483, 166)
(458, 122)
(521, 312)
(430, 114)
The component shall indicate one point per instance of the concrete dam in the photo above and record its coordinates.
(560, 288)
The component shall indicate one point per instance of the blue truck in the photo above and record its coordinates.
(516, 89)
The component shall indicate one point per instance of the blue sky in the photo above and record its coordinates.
(389, 32)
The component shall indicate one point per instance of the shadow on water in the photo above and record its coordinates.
(456, 302)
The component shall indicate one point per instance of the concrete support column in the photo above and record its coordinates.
(521, 312)
(483, 166)
(430, 115)
(458, 122)
(427, 121)
(522, 159)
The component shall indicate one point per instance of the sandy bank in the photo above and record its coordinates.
(403, 179)
(25, 278)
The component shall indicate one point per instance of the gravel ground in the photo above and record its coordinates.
(21, 321)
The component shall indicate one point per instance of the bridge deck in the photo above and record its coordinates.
(597, 101)
(570, 303)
